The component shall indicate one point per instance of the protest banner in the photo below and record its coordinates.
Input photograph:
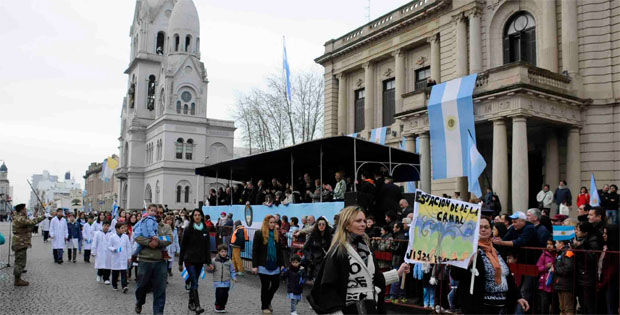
(443, 231)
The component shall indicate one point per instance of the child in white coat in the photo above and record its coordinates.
(101, 253)
(120, 253)
(88, 233)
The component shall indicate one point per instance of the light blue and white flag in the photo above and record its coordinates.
(476, 165)
(451, 119)
(563, 232)
(353, 135)
(202, 273)
(410, 187)
(595, 199)
(164, 238)
(185, 274)
(378, 135)
(115, 210)
(287, 73)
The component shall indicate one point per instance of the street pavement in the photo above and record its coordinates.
(71, 289)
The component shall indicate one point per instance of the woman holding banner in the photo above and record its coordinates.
(349, 281)
(494, 289)
(196, 254)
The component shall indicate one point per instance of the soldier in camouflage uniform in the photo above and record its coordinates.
(22, 229)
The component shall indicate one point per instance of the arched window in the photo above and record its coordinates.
(148, 194)
(520, 39)
(159, 44)
(188, 41)
(178, 107)
(189, 149)
(150, 96)
(177, 41)
(179, 188)
(185, 109)
(197, 48)
(193, 109)
(186, 194)
(179, 144)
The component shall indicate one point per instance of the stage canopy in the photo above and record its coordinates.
(321, 159)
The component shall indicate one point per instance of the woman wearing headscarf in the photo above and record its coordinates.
(495, 290)
(349, 281)
(267, 261)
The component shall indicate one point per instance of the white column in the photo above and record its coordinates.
(475, 42)
(570, 48)
(399, 64)
(500, 182)
(573, 161)
(425, 162)
(461, 46)
(552, 159)
(549, 58)
(369, 104)
(520, 175)
(435, 58)
(342, 103)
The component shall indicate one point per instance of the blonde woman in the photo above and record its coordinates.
(349, 281)
(267, 261)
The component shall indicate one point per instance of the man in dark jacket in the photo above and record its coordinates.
(389, 196)
(563, 195)
(522, 234)
(609, 202)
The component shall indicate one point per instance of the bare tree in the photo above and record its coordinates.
(269, 121)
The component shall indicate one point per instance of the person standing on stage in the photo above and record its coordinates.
(22, 229)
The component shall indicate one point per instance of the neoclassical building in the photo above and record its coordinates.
(165, 132)
(100, 195)
(546, 101)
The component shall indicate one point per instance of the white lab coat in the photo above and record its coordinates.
(88, 233)
(103, 259)
(98, 226)
(119, 251)
(58, 232)
(45, 225)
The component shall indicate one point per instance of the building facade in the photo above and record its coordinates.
(6, 191)
(54, 193)
(165, 132)
(547, 96)
(99, 195)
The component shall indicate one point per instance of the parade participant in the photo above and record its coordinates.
(59, 234)
(75, 237)
(239, 237)
(22, 228)
(100, 252)
(120, 255)
(267, 261)
(88, 232)
(349, 258)
(45, 227)
(174, 247)
(152, 264)
(495, 291)
(294, 282)
(223, 274)
(99, 222)
(195, 253)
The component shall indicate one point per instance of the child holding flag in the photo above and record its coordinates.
(119, 247)
(545, 275)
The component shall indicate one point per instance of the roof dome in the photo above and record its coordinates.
(3, 168)
(184, 19)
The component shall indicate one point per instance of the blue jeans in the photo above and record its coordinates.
(451, 295)
(612, 215)
(194, 272)
(152, 274)
(429, 295)
(294, 305)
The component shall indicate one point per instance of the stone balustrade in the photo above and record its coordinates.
(518, 74)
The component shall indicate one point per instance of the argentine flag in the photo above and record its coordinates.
(287, 73)
(563, 233)
(185, 274)
(115, 210)
(202, 273)
(475, 167)
(451, 119)
(353, 135)
(595, 200)
(378, 135)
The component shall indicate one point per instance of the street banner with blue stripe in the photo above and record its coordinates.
(476, 165)
(410, 188)
(378, 135)
(287, 73)
(595, 200)
(563, 232)
(451, 119)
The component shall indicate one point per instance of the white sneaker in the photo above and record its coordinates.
(107, 282)
(98, 278)
(294, 313)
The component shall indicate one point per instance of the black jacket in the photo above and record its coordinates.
(195, 246)
(564, 271)
(259, 251)
(293, 278)
(470, 304)
(586, 264)
(328, 295)
(317, 246)
(388, 198)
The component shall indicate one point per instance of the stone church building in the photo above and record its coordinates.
(165, 132)
(547, 96)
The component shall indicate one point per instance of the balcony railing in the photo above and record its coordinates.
(521, 74)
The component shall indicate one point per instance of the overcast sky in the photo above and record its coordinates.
(61, 71)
